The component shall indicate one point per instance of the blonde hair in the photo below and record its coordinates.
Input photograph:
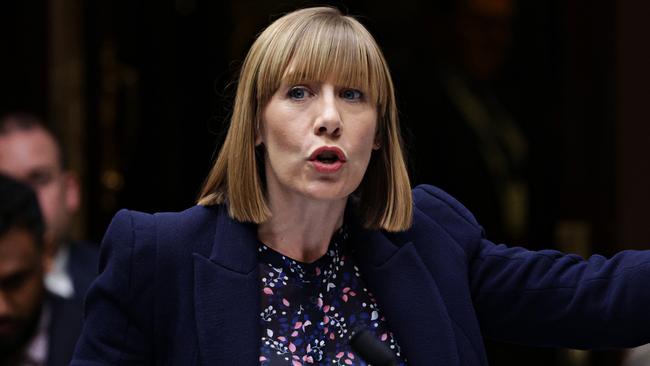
(318, 43)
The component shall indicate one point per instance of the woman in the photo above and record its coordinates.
(307, 231)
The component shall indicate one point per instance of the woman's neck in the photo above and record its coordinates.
(301, 229)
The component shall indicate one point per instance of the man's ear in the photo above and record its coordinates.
(48, 254)
(72, 192)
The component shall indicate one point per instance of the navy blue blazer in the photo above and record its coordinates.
(183, 289)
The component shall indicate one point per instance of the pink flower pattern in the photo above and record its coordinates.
(309, 310)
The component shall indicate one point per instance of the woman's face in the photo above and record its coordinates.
(318, 138)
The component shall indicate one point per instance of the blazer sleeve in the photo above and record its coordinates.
(119, 305)
(549, 298)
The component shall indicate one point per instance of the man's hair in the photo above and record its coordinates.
(19, 209)
(317, 43)
(19, 121)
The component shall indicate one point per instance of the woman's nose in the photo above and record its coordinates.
(328, 121)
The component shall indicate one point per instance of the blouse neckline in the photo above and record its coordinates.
(320, 270)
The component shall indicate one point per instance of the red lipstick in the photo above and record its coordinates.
(327, 159)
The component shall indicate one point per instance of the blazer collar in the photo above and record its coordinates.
(235, 243)
(227, 295)
(408, 296)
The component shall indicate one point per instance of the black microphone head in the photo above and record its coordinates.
(372, 350)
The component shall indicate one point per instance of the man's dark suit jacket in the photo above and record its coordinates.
(82, 267)
(183, 289)
(67, 314)
(64, 329)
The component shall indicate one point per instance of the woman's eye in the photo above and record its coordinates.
(352, 94)
(298, 93)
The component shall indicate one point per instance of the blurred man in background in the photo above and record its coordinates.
(472, 145)
(36, 327)
(30, 152)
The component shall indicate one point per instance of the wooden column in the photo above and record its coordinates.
(66, 86)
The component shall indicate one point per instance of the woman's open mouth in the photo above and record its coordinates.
(327, 159)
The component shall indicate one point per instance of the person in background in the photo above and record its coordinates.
(472, 144)
(31, 153)
(36, 327)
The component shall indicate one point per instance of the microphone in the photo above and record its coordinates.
(373, 351)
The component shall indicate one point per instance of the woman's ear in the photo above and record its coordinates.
(258, 135)
(376, 145)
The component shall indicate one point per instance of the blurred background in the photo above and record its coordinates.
(533, 114)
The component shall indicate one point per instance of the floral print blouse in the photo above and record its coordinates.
(310, 310)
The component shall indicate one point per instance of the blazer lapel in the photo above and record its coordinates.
(226, 296)
(408, 296)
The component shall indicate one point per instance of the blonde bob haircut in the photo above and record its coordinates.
(318, 43)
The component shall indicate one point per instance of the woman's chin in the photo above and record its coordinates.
(327, 191)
